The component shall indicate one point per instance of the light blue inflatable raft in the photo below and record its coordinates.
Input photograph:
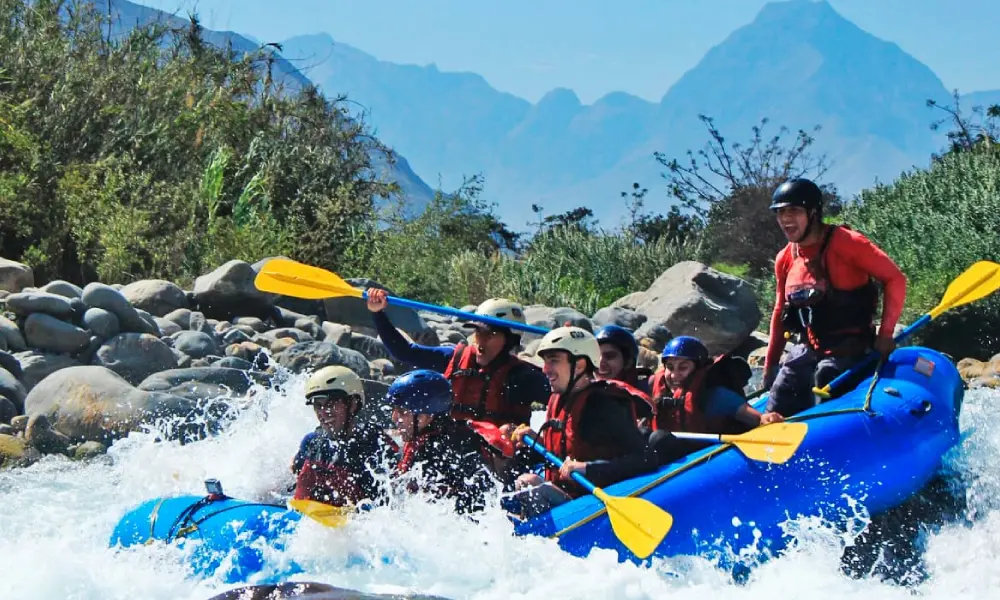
(873, 452)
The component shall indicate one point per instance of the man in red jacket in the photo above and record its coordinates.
(826, 296)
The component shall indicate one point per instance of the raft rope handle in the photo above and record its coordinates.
(152, 521)
(184, 531)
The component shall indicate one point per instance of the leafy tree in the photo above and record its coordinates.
(729, 186)
(107, 144)
(978, 131)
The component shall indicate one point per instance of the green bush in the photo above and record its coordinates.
(935, 223)
(155, 154)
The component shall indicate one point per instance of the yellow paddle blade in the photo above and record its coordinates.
(639, 524)
(298, 280)
(774, 443)
(324, 514)
(978, 281)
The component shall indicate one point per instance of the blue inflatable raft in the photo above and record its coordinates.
(873, 450)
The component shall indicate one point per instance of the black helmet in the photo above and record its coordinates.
(797, 192)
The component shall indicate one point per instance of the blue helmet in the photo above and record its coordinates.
(685, 346)
(622, 339)
(423, 392)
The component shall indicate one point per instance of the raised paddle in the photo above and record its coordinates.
(977, 282)
(638, 524)
(324, 514)
(298, 280)
(774, 443)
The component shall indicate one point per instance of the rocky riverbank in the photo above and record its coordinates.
(83, 367)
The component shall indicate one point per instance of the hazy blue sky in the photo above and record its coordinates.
(527, 47)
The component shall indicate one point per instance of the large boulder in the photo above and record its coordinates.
(37, 365)
(49, 333)
(99, 295)
(617, 315)
(304, 356)
(11, 389)
(92, 403)
(183, 381)
(62, 288)
(155, 296)
(15, 276)
(551, 318)
(135, 356)
(196, 344)
(10, 332)
(229, 290)
(690, 298)
(348, 310)
(26, 303)
(103, 323)
(10, 363)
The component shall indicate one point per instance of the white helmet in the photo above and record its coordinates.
(334, 379)
(502, 309)
(578, 342)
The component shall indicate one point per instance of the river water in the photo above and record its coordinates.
(56, 518)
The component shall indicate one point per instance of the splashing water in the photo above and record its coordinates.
(57, 516)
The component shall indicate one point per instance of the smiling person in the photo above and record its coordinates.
(590, 423)
(336, 463)
(489, 382)
(827, 297)
(695, 394)
(619, 362)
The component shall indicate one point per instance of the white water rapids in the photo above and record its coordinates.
(56, 518)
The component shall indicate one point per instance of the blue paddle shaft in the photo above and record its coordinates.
(873, 356)
(555, 460)
(444, 310)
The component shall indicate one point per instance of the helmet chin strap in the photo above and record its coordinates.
(813, 222)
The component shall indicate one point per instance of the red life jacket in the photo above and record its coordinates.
(479, 393)
(330, 484)
(683, 409)
(562, 416)
(829, 318)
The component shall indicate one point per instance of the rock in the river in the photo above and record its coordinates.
(11, 389)
(10, 363)
(62, 288)
(46, 332)
(348, 310)
(155, 296)
(314, 355)
(616, 315)
(690, 298)
(98, 295)
(26, 303)
(92, 403)
(103, 323)
(89, 450)
(38, 365)
(7, 412)
(135, 356)
(11, 333)
(40, 434)
(550, 318)
(15, 276)
(229, 290)
(195, 344)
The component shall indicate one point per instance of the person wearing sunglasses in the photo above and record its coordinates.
(490, 384)
(337, 463)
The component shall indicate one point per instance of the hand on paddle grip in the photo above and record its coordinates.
(571, 466)
(377, 300)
